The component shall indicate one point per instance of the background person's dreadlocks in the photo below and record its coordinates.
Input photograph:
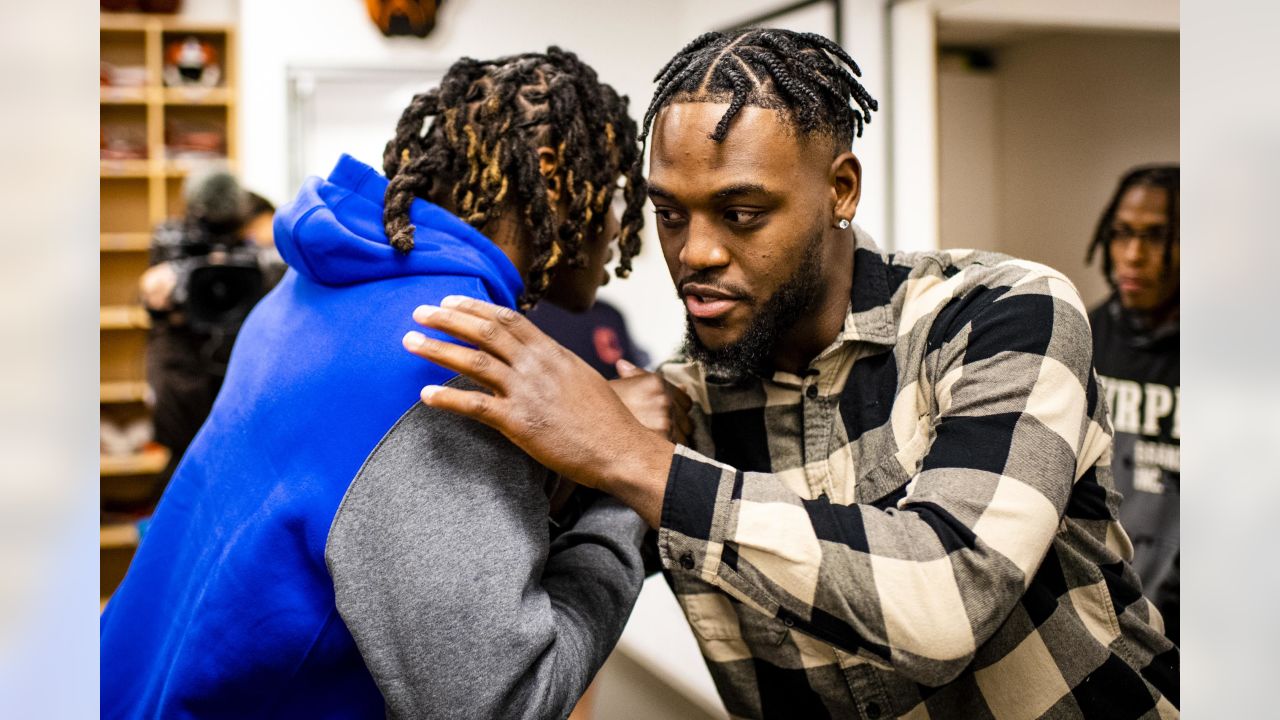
(814, 83)
(477, 159)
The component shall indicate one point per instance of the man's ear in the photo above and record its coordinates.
(846, 185)
(550, 169)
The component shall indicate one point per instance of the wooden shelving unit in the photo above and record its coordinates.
(126, 242)
(117, 536)
(122, 392)
(146, 462)
(123, 317)
(135, 195)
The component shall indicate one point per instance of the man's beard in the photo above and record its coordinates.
(753, 352)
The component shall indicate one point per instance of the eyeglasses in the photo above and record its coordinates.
(1151, 234)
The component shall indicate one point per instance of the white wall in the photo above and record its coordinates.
(1070, 113)
(914, 68)
(969, 137)
(1077, 111)
(1098, 14)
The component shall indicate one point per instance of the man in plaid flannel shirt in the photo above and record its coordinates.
(896, 499)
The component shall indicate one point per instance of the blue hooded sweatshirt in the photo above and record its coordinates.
(228, 608)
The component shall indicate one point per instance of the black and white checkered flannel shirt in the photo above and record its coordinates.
(924, 524)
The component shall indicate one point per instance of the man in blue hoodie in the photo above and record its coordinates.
(229, 609)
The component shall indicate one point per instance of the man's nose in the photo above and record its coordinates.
(702, 249)
(1133, 250)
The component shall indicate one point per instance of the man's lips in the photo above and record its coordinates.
(1131, 283)
(707, 303)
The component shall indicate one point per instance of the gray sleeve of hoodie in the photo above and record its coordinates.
(444, 574)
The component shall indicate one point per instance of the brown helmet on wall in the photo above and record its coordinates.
(404, 17)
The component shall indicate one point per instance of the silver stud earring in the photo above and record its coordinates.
(843, 224)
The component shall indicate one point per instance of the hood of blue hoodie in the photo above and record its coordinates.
(332, 233)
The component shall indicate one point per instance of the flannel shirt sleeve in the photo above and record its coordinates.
(919, 586)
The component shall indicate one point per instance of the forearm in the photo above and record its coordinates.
(638, 474)
(592, 577)
(895, 587)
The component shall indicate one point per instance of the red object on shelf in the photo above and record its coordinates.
(195, 139)
(117, 143)
(191, 61)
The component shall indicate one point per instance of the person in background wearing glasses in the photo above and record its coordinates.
(1135, 342)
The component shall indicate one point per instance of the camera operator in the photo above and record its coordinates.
(208, 269)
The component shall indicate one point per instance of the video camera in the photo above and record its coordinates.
(220, 278)
(217, 289)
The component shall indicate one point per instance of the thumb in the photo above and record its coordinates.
(626, 369)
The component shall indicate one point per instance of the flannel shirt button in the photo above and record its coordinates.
(789, 622)
(873, 710)
(686, 561)
(811, 392)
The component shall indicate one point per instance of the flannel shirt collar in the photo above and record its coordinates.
(871, 316)
(871, 319)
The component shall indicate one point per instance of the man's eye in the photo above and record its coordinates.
(1152, 234)
(667, 216)
(742, 217)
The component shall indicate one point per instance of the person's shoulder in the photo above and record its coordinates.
(429, 461)
(936, 279)
(604, 311)
(991, 269)
(426, 438)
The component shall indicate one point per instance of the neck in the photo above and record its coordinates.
(823, 323)
(506, 235)
(1155, 317)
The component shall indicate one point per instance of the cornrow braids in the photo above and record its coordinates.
(478, 158)
(1164, 177)
(809, 76)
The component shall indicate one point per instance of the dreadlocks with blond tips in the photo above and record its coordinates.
(810, 77)
(478, 157)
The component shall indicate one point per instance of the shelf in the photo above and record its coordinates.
(135, 195)
(122, 391)
(116, 22)
(125, 242)
(147, 462)
(123, 317)
(180, 167)
(125, 168)
(184, 95)
(137, 22)
(118, 536)
(123, 95)
(197, 96)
